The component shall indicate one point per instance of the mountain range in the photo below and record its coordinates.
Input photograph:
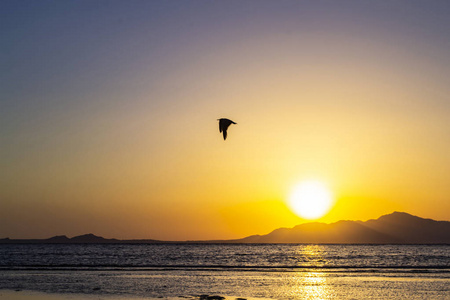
(395, 228)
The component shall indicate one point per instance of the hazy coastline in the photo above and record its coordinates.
(395, 228)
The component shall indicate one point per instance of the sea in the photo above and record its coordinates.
(269, 271)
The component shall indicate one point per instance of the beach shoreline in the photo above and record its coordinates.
(35, 295)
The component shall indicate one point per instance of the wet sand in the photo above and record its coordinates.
(32, 295)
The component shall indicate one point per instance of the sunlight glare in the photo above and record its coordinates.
(310, 199)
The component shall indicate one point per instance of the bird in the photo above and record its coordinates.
(223, 126)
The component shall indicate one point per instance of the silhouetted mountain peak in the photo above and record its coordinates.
(88, 235)
(58, 239)
(397, 216)
(402, 220)
(88, 238)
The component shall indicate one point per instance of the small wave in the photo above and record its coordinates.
(211, 268)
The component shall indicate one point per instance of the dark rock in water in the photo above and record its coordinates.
(207, 297)
(241, 299)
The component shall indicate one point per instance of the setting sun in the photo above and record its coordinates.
(310, 199)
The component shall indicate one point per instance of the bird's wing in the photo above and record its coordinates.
(221, 125)
(226, 123)
(225, 134)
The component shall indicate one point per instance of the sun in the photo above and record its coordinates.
(310, 199)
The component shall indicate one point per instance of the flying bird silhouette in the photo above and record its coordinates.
(223, 126)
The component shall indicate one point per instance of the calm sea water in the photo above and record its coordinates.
(266, 271)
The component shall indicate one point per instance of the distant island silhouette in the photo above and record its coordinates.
(395, 228)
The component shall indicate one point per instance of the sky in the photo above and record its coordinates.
(108, 114)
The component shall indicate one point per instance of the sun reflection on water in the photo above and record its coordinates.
(310, 284)
(314, 251)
